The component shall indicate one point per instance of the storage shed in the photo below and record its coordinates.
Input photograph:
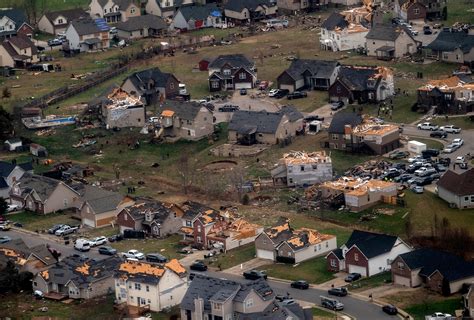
(416, 146)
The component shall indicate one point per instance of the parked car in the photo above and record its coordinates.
(5, 226)
(134, 254)
(313, 118)
(458, 141)
(5, 239)
(415, 159)
(156, 257)
(450, 129)
(340, 292)
(108, 251)
(417, 189)
(243, 92)
(428, 153)
(353, 277)
(439, 316)
(421, 181)
(185, 251)
(439, 134)
(300, 284)
(273, 92)
(414, 32)
(390, 309)
(440, 167)
(98, 241)
(337, 105)
(332, 304)
(13, 207)
(403, 178)
(228, 108)
(116, 237)
(198, 266)
(425, 171)
(254, 275)
(427, 30)
(450, 148)
(398, 155)
(427, 126)
(281, 93)
(280, 297)
(65, 230)
(55, 42)
(297, 95)
(288, 302)
(82, 245)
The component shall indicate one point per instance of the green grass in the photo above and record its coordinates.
(322, 314)
(458, 12)
(234, 257)
(314, 271)
(418, 311)
(218, 33)
(462, 122)
(167, 246)
(342, 161)
(371, 282)
(430, 143)
(32, 221)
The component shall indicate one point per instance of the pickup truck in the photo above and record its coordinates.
(427, 126)
(65, 230)
(132, 254)
(439, 316)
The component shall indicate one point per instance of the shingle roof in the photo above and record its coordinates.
(317, 68)
(99, 199)
(3, 183)
(123, 4)
(335, 20)
(85, 26)
(450, 41)
(142, 22)
(23, 43)
(193, 209)
(459, 184)
(384, 32)
(145, 272)
(261, 121)
(429, 260)
(43, 186)
(69, 14)
(277, 311)
(341, 119)
(239, 5)
(338, 253)
(371, 244)
(183, 109)
(197, 12)
(17, 15)
(141, 207)
(356, 77)
(6, 168)
(141, 78)
(235, 60)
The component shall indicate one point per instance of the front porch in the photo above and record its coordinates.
(385, 53)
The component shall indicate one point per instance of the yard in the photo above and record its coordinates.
(371, 282)
(233, 257)
(464, 123)
(35, 222)
(167, 247)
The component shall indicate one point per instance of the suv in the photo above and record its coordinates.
(156, 257)
(450, 129)
(439, 134)
(254, 275)
(228, 108)
(353, 277)
(398, 155)
(297, 95)
(340, 292)
(281, 93)
(337, 105)
(428, 153)
(427, 126)
(300, 284)
(332, 304)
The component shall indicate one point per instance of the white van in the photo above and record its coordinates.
(82, 245)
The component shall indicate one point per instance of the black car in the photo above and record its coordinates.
(297, 95)
(281, 93)
(445, 161)
(313, 118)
(156, 257)
(353, 277)
(254, 275)
(243, 92)
(428, 153)
(403, 178)
(438, 134)
(108, 251)
(340, 292)
(422, 181)
(390, 309)
(399, 166)
(228, 108)
(300, 284)
(280, 297)
(198, 266)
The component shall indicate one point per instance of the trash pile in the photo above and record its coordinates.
(370, 169)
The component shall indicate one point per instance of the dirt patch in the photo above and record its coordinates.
(385, 211)
(220, 165)
(259, 200)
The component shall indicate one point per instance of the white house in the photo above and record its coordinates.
(87, 34)
(9, 174)
(457, 189)
(337, 34)
(165, 8)
(114, 11)
(13, 144)
(196, 17)
(150, 285)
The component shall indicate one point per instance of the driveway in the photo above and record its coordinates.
(246, 266)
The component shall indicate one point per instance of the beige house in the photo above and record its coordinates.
(18, 52)
(245, 11)
(121, 109)
(150, 286)
(387, 42)
(114, 11)
(454, 47)
(55, 22)
(87, 35)
(282, 243)
(141, 27)
(468, 301)
(165, 8)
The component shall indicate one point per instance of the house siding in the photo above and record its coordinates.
(403, 45)
(263, 242)
(45, 25)
(350, 259)
(332, 259)
(315, 250)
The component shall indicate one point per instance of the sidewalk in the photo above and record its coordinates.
(248, 265)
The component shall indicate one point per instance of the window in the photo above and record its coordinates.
(302, 168)
(334, 263)
(125, 217)
(327, 244)
(334, 136)
(389, 262)
(314, 166)
(138, 286)
(188, 223)
(199, 228)
(416, 11)
(60, 21)
(315, 248)
(466, 198)
(215, 84)
(226, 72)
(65, 202)
(242, 76)
(291, 180)
(319, 246)
(35, 284)
(217, 306)
(356, 256)
(198, 239)
(401, 266)
(132, 10)
(249, 303)
(147, 288)
(289, 253)
(338, 89)
(171, 85)
(149, 301)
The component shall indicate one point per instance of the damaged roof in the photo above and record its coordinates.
(146, 272)
(193, 209)
(335, 20)
(458, 184)
(450, 41)
(41, 185)
(341, 119)
(160, 211)
(187, 110)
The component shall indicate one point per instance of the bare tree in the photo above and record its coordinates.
(237, 180)
(186, 171)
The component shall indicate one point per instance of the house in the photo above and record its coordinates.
(18, 52)
(346, 3)
(10, 173)
(42, 195)
(121, 109)
(13, 144)
(366, 253)
(436, 270)
(141, 27)
(150, 286)
(55, 22)
(447, 96)
(387, 42)
(166, 8)
(98, 207)
(251, 127)
(452, 46)
(310, 74)
(410, 10)
(294, 6)
(230, 233)
(362, 84)
(185, 120)
(87, 35)
(191, 211)
(282, 243)
(13, 22)
(152, 85)
(31, 259)
(155, 218)
(338, 34)
(196, 17)
(299, 168)
(243, 11)
(468, 302)
(457, 189)
(38, 150)
(353, 133)
(76, 277)
(232, 72)
(114, 11)
(360, 194)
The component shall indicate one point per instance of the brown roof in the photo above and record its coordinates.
(459, 184)
(21, 42)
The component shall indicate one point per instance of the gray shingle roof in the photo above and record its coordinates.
(197, 12)
(40, 251)
(341, 119)
(356, 78)
(99, 199)
(371, 244)
(69, 14)
(317, 68)
(235, 60)
(141, 78)
(17, 15)
(85, 26)
(193, 209)
(239, 5)
(384, 32)
(277, 311)
(335, 20)
(142, 22)
(23, 42)
(450, 41)
(261, 121)
(141, 207)
(459, 184)
(183, 109)
(6, 168)
(43, 186)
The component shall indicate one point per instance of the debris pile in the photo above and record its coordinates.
(369, 169)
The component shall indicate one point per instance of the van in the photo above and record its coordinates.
(82, 245)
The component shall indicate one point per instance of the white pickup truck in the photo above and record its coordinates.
(440, 316)
(132, 254)
(427, 126)
(65, 230)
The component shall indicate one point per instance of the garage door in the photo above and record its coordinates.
(358, 269)
(88, 222)
(264, 254)
(243, 85)
(401, 281)
(289, 87)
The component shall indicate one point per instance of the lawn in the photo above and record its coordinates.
(234, 257)
(371, 282)
(461, 122)
(314, 271)
(167, 247)
(458, 11)
(320, 314)
(36, 222)
(419, 311)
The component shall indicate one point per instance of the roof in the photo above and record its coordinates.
(123, 4)
(43, 186)
(6, 168)
(187, 110)
(193, 210)
(3, 183)
(69, 14)
(358, 187)
(18, 251)
(302, 157)
(450, 41)
(335, 20)
(197, 12)
(317, 68)
(159, 210)
(459, 184)
(86, 26)
(278, 311)
(219, 290)
(17, 15)
(429, 260)
(99, 199)
(21, 42)
(140, 79)
(239, 5)
(341, 119)
(145, 272)
(446, 84)
(338, 253)
(371, 244)
(356, 78)
(385, 32)
(141, 22)
(235, 60)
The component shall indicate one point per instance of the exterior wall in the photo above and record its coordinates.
(130, 88)
(131, 117)
(339, 92)
(308, 174)
(461, 202)
(125, 221)
(343, 40)
(284, 81)
(240, 81)
(290, 5)
(99, 220)
(333, 263)
(131, 11)
(137, 34)
(456, 56)
(40, 284)
(244, 15)
(179, 22)
(61, 198)
(45, 25)
(202, 126)
(73, 37)
(399, 268)
(435, 282)
(383, 262)
(263, 242)
(171, 225)
(153, 8)
(416, 11)
(403, 45)
(199, 233)
(5, 59)
(316, 250)
(258, 304)
(355, 257)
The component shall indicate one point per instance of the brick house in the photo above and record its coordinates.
(444, 95)
(232, 72)
(366, 253)
(436, 270)
(410, 10)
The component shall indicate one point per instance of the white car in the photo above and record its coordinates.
(450, 148)
(415, 159)
(417, 189)
(272, 92)
(460, 160)
(458, 141)
(133, 254)
(439, 316)
(153, 119)
(13, 207)
(450, 129)
(98, 241)
(427, 126)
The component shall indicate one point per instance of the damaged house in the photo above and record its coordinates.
(32, 259)
(340, 34)
(282, 243)
(10, 173)
(232, 233)
(299, 168)
(191, 211)
(252, 127)
(359, 194)
(121, 109)
(232, 72)
(354, 133)
(452, 46)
